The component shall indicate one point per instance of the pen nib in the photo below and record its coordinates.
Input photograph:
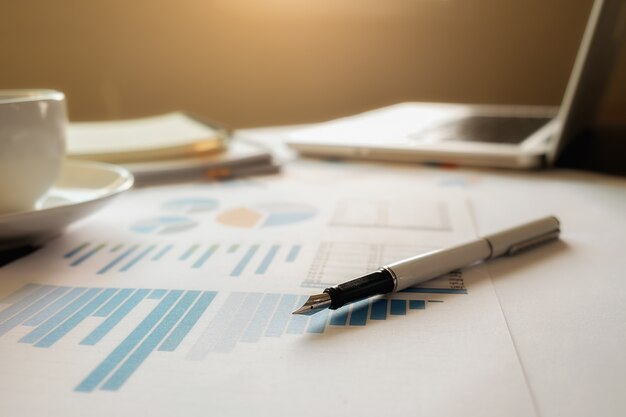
(314, 304)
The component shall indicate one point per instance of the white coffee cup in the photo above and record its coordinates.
(32, 146)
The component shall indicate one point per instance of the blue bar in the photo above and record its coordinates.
(233, 249)
(69, 324)
(123, 349)
(106, 309)
(54, 321)
(216, 327)
(244, 261)
(417, 305)
(205, 256)
(137, 258)
(235, 329)
(37, 292)
(398, 307)
(317, 324)
(87, 255)
(298, 322)
(435, 290)
(117, 260)
(268, 259)
(435, 301)
(293, 253)
(162, 253)
(32, 309)
(339, 317)
(155, 337)
(187, 323)
(261, 319)
(281, 316)
(76, 250)
(379, 310)
(99, 332)
(157, 294)
(358, 316)
(47, 312)
(189, 252)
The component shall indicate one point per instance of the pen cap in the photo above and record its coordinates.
(526, 236)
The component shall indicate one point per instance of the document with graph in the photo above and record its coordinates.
(177, 300)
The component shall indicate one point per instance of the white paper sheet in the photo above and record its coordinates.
(177, 300)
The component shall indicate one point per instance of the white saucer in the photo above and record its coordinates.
(82, 188)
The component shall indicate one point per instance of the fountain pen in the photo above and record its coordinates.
(412, 271)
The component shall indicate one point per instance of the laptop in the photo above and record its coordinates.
(524, 137)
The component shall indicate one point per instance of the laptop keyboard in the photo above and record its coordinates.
(490, 129)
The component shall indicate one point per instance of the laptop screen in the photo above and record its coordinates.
(590, 74)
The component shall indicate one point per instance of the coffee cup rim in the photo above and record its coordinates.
(26, 95)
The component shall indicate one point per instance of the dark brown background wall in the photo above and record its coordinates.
(270, 62)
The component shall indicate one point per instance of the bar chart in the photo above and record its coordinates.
(54, 311)
(248, 317)
(235, 259)
(50, 313)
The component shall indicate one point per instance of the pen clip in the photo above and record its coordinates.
(533, 242)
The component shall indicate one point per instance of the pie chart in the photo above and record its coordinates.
(191, 205)
(267, 215)
(163, 225)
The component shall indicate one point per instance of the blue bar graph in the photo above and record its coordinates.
(105, 258)
(167, 317)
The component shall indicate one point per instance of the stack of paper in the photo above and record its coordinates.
(168, 146)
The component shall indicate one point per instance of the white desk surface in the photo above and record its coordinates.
(565, 304)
